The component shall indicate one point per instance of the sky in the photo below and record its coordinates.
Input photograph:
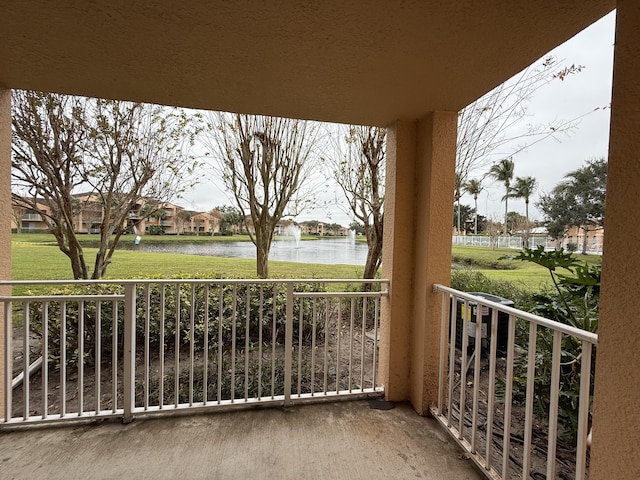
(586, 94)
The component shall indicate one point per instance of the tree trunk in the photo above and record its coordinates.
(584, 241)
(263, 243)
(475, 223)
(506, 211)
(374, 252)
(76, 255)
(373, 261)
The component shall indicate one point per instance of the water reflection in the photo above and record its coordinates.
(326, 251)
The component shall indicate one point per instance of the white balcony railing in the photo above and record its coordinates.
(486, 401)
(128, 348)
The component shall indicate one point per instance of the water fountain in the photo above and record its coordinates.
(293, 231)
(351, 236)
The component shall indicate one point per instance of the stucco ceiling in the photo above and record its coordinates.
(345, 61)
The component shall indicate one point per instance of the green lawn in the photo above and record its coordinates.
(36, 256)
(488, 262)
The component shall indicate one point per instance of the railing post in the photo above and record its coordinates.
(288, 345)
(129, 350)
(8, 364)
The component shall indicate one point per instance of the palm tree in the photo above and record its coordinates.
(474, 187)
(503, 172)
(524, 188)
(457, 193)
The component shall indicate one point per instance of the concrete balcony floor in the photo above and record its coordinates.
(343, 440)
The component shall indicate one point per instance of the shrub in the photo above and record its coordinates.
(575, 301)
(266, 305)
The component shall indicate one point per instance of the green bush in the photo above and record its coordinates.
(266, 302)
(473, 281)
(574, 301)
(156, 230)
(266, 305)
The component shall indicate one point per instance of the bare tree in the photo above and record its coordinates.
(264, 162)
(492, 125)
(116, 153)
(493, 231)
(360, 173)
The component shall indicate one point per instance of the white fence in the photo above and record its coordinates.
(488, 388)
(501, 241)
(125, 348)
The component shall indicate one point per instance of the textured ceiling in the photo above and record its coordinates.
(344, 61)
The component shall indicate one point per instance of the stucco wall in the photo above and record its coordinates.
(416, 253)
(616, 416)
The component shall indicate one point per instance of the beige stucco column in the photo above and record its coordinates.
(5, 215)
(616, 417)
(416, 253)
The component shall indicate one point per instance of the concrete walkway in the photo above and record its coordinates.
(345, 440)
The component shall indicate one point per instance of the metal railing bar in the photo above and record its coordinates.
(443, 345)
(583, 410)
(25, 359)
(246, 343)
(476, 378)
(63, 359)
(234, 306)
(362, 340)
(300, 335)
(528, 419)
(98, 354)
(176, 351)
(338, 337)
(187, 281)
(341, 294)
(492, 386)
(162, 346)
(325, 376)
(288, 344)
(45, 359)
(553, 403)
(452, 355)
(351, 320)
(260, 325)
(81, 312)
(205, 348)
(59, 298)
(219, 351)
(147, 321)
(192, 341)
(114, 361)
(313, 346)
(374, 367)
(508, 399)
(273, 342)
(129, 352)
(463, 368)
(8, 362)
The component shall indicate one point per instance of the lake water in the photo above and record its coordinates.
(326, 251)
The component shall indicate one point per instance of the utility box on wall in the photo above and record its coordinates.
(469, 323)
